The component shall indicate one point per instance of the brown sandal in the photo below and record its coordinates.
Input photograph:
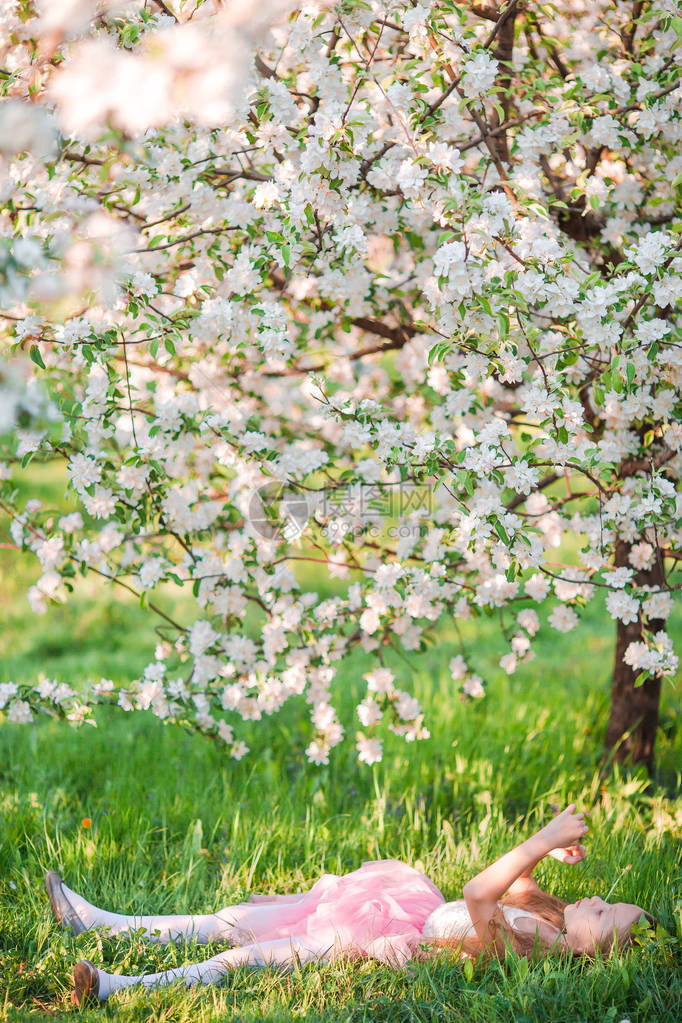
(85, 983)
(63, 909)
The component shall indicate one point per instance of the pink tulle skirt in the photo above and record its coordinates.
(377, 910)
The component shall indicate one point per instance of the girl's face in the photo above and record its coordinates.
(591, 923)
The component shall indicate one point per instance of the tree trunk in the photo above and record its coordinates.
(633, 721)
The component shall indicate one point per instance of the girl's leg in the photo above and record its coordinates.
(204, 928)
(241, 923)
(283, 952)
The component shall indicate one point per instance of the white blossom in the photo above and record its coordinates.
(563, 618)
(370, 751)
(202, 636)
(473, 687)
(458, 668)
(369, 712)
(479, 74)
(7, 691)
(380, 680)
(19, 712)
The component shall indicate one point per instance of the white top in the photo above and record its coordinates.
(452, 920)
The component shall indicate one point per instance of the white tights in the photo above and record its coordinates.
(282, 952)
(233, 923)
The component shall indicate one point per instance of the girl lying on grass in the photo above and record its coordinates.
(385, 909)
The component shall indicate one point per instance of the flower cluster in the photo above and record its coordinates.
(49, 696)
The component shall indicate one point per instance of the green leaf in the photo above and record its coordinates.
(501, 532)
(438, 351)
(630, 373)
(500, 111)
(36, 356)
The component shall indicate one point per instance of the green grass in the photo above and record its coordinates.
(178, 827)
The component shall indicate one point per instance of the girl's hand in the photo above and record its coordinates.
(568, 854)
(565, 830)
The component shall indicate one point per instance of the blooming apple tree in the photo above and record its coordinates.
(397, 293)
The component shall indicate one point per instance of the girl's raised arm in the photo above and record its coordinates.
(483, 892)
